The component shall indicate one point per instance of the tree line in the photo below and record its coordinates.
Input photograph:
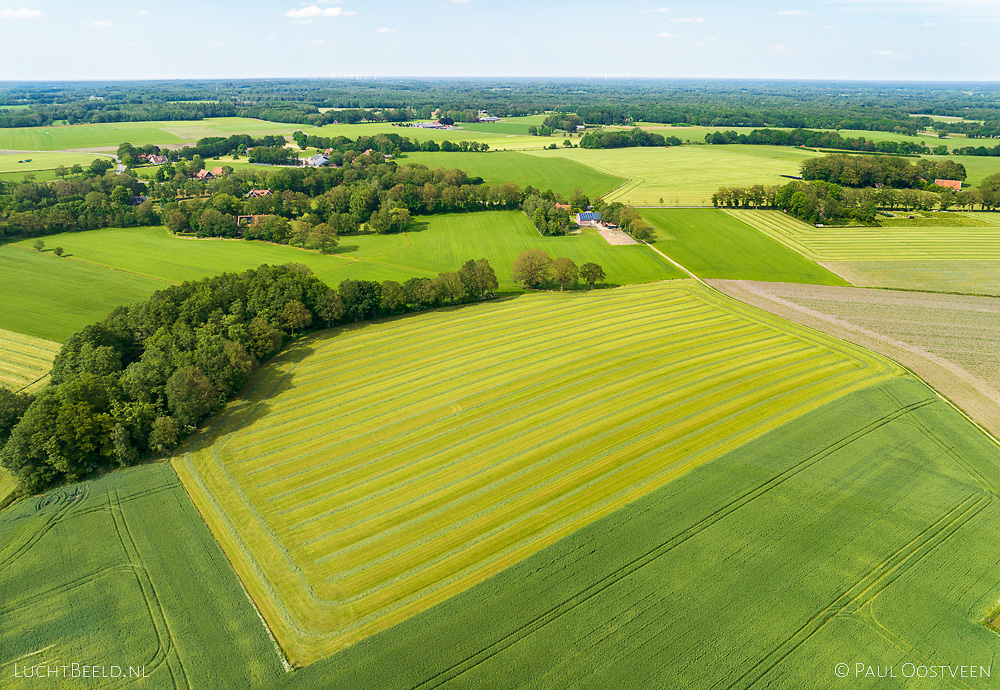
(535, 269)
(821, 140)
(890, 171)
(616, 139)
(138, 382)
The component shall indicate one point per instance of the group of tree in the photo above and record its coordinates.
(142, 379)
(548, 217)
(828, 203)
(890, 171)
(616, 139)
(626, 217)
(821, 140)
(535, 269)
(567, 122)
(94, 199)
(977, 150)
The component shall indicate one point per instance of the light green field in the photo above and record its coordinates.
(25, 360)
(558, 174)
(42, 160)
(860, 532)
(977, 167)
(121, 571)
(696, 134)
(372, 472)
(712, 244)
(686, 175)
(136, 133)
(7, 484)
(507, 125)
(495, 138)
(968, 277)
(51, 297)
(875, 244)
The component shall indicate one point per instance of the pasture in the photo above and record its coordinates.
(712, 244)
(875, 244)
(560, 175)
(371, 472)
(51, 297)
(24, 360)
(858, 532)
(89, 575)
(41, 160)
(107, 268)
(686, 175)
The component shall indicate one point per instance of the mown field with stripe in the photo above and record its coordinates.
(372, 472)
(875, 244)
(121, 571)
(25, 360)
(862, 531)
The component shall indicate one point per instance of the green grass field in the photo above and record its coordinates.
(713, 244)
(122, 571)
(875, 244)
(686, 175)
(372, 472)
(103, 269)
(24, 360)
(51, 297)
(859, 532)
(136, 133)
(977, 167)
(558, 174)
(9, 163)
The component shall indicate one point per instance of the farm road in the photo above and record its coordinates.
(949, 341)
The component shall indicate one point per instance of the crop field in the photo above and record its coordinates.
(950, 341)
(24, 360)
(970, 277)
(136, 133)
(372, 472)
(686, 175)
(875, 244)
(859, 532)
(713, 244)
(558, 174)
(51, 297)
(89, 575)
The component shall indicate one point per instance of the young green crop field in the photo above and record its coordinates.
(713, 244)
(875, 244)
(24, 360)
(372, 472)
(121, 571)
(560, 175)
(686, 175)
(860, 532)
(103, 269)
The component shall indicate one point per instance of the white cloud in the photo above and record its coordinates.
(666, 35)
(659, 9)
(314, 11)
(20, 14)
(792, 13)
(142, 13)
(952, 8)
(701, 44)
(689, 20)
(460, 2)
(99, 24)
(386, 30)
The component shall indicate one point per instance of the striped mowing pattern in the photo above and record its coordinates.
(25, 360)
(875, 244)
(373, 472)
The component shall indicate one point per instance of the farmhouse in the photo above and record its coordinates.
(564, 207)
(949, 184)
(205, 175)
(317, 161)
(588, 218)
(155, 159)
(217, 172)
(247, 221)
(257, 193)
(136, 200)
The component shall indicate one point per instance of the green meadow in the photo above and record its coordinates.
(25, 360)
(121, 571)
(42, 160)
(371, 472)
(558, 174)
(713, 244)
(106, 268)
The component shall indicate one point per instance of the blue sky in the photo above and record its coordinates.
(810, 39)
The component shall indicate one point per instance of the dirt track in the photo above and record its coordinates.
(950, 341)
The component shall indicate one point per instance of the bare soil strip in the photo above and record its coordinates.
(948, 340)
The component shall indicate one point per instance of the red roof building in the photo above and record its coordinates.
(949, 184)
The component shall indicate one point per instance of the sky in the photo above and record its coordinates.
(913, 40)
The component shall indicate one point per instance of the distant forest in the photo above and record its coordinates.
(715, 103)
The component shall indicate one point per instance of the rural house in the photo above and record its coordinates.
(257, 193)
(204, 175)
(949, 184)
(217, 171)
(156, 160)
(588, 218)
(317, 161)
